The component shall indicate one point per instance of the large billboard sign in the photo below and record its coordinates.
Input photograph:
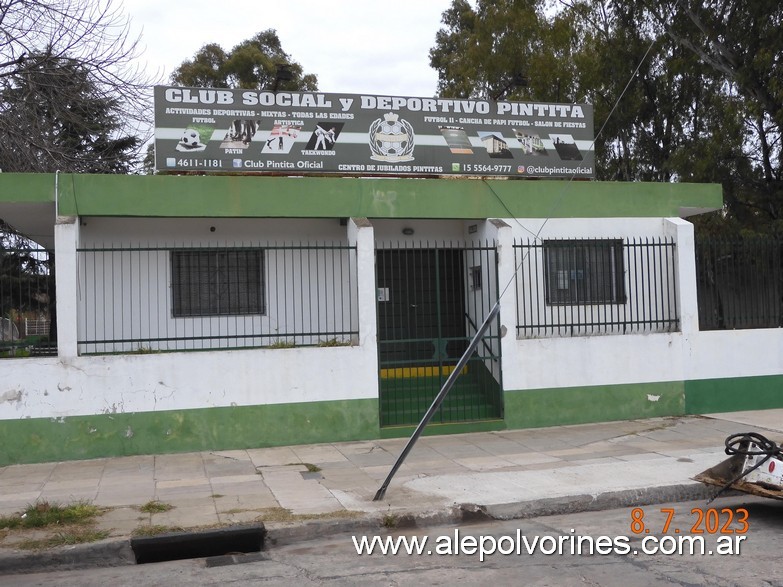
(293, 133)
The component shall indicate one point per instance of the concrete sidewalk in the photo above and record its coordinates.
(509, 474)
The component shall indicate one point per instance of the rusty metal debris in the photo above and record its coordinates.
(748, 453)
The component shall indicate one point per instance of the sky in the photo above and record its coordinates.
(353, 46)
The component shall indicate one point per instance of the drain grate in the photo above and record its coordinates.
(211, 543)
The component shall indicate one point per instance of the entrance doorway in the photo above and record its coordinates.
(431, 302)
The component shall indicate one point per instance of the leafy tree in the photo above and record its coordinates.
(253, 64)
(497, 49)
(73, 64)
(71, 99)
(26, 278)
(683, 90)
(57, 118)
(739, 41)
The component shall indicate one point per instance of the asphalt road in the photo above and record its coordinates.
(746, 530)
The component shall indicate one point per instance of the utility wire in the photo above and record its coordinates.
(559, 200)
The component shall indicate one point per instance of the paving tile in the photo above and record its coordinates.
(14, 503)
(464, 451)
(326, 506)
(380, 472)
(235, 479)
(531, 458)
(180, 495)
(321, 453)
(66, 497)
(229, 469)
(641, 456)
(187, 517)
(174, 484)
(136, 496)
(78, 470)
(489, 463)
(261, 500)
(135, 464)
(418, 453)
(245, 517)
(363, 460)
(272, 456)
(237, 455)
(239, 489)
(72, 484)
(36, 473)
(186, 501)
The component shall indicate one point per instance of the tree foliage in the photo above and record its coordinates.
(26, 279)
(56, 118)
(683, 90)
(71, 96)
(253, 64)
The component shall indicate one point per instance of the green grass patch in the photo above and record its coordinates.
(311, 468)
(65, 537)
(334, 342)
(279, 514)
(44, 514)
(390, 521)
(282, 344)
(155, 507)
(155, 530)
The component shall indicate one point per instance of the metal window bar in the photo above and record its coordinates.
(582, 287)
(739, 282)
(428, 310)
(27, 301)
(150, 298)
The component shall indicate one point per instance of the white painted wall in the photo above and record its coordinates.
(72, 385)
(84, 385)
(645, 300)
(54, 388)
(126, 295)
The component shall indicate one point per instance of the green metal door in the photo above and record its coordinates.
(430, 301)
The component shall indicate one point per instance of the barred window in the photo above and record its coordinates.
(217, 282)
(584, 272)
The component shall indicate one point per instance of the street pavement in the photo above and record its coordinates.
(306, 490)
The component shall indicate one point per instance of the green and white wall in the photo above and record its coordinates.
(73, 407)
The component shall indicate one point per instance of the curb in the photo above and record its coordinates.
(112, 553)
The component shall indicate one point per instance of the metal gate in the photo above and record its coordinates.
(431, 301)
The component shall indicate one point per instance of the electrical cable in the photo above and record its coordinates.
(558, 201)
(740, 445)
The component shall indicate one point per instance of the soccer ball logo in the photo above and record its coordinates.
(190, 141)
(391, 139)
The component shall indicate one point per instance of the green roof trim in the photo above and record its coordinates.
(332, 197)
(27, 188)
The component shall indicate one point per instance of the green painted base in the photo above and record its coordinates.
(708, 396)
(578, 405)
(105, 435)
(438, 429)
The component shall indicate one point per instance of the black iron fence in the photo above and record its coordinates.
(739, 282)
(26, 301)
(152, 298)
(431, 300)
(580, 287)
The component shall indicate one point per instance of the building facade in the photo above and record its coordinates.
(217, 312)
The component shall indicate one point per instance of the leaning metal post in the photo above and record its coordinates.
(438, 399)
